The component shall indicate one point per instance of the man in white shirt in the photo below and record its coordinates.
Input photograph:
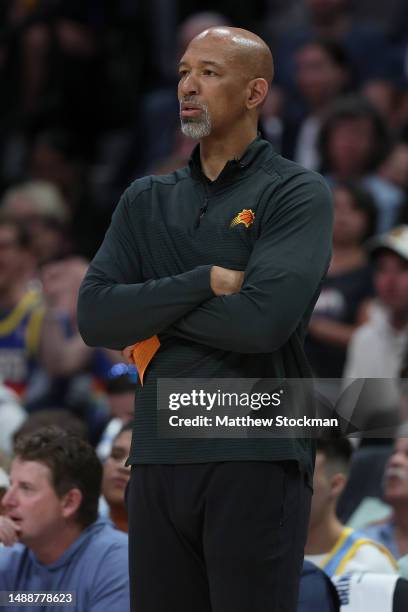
(377, 349)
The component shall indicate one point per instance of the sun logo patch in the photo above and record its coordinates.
(246, 217)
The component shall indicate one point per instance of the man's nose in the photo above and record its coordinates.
(189, 85)
(8, 500)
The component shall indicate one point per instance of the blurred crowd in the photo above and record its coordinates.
(88, 105)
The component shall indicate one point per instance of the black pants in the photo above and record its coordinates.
(217, 537)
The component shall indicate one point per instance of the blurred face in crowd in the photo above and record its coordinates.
(13, 258)
(350, 224)
(396, 474)
(350, 146)
(391, 282)
(327, 487)
(32, 503)
(115, 474)
(319, 78)
(48, 240)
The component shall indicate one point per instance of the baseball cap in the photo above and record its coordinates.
(395, 240)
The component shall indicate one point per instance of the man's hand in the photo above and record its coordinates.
(9, 531)
(224, 281)
(61, 281)
(127, 354)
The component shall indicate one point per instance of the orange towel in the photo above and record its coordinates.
(142, 353)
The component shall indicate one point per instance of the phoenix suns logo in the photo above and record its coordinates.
(246, 217)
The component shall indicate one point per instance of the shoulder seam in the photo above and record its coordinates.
(135, 197)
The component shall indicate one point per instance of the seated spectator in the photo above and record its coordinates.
(116, 476)
(364, 481)
(322, 74)
(353, 140)
(393, 531)
(348, 284)
(52, 536)
(21, 311)
(377, 349)
(120, 389)
(330, 545)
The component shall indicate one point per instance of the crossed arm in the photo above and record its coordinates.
(208, 305)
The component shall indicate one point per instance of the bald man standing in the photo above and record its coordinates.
(212, 272)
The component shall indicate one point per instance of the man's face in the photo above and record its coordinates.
(396, 474)
(391, 282)
(115, 474)
(12, 257)
(32, 502)
(212, 88)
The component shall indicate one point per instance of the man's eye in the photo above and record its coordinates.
(209, 73)
(182, 73)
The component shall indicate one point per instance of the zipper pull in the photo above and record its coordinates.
(202, 212)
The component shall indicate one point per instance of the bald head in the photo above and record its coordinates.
(250, 53)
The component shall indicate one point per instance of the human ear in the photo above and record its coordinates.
(71, 502)
(257, 92)
(338, 482)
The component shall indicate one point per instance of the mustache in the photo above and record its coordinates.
(192, 100)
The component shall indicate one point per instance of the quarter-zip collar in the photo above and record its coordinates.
(234, 169)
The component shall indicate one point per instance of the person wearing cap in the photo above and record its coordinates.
(377, 348)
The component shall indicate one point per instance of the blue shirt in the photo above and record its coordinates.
(95, 566)
(384, 533)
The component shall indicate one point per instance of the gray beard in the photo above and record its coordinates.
(197, 128)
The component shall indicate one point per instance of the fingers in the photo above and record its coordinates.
(127, 354)
(9, 531)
